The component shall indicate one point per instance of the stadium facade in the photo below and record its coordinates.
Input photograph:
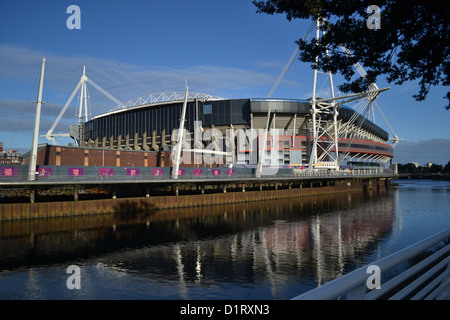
(232, 131)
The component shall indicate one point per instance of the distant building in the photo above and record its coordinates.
(9, 156)
(416, 164)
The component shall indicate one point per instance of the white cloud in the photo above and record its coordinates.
(124, 80)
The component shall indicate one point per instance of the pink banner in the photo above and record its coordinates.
(157, 172)
(132, 172)
(45, 172)
(76, 172)
(9, 172)
(198, 172)
(106, 172)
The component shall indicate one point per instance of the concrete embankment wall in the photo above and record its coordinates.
(20, 211)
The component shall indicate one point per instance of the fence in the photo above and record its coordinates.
(105, 174)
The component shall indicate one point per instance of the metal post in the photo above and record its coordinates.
(313, 156)
(33, 156)
(85, 96)
(335, 115)
(262, 149)
(80, 118)
(180, 137)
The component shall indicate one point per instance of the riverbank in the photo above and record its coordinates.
(38, 210)
(433, 176)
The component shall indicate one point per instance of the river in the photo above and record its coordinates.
(271, 250)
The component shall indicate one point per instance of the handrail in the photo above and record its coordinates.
(354, 286)
(145, 174)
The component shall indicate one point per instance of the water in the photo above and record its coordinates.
(269, 250)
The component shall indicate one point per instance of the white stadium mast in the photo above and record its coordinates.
(34, 146)
(324, 112)
(83, 101)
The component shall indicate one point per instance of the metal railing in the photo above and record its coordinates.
(424, 275)
(343, 173)
(144, 174)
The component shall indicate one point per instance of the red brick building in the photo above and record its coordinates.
(49, 155)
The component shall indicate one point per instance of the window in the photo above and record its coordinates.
(207, 109)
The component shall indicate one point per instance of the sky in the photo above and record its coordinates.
(135, 48)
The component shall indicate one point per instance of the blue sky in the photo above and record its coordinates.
(134, 48)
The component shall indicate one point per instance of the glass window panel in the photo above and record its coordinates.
(207, 109)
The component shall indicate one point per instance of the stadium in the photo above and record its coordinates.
(231, 131)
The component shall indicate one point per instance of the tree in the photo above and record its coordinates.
(436, 168)
(447, 168)
(411, 44)
(408, 168)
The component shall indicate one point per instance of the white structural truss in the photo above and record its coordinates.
(326, 129)
(82, 105)
(324, 125)
(164, 97)
(373, 86)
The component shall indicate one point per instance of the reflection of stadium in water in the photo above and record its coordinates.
(317, 239)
